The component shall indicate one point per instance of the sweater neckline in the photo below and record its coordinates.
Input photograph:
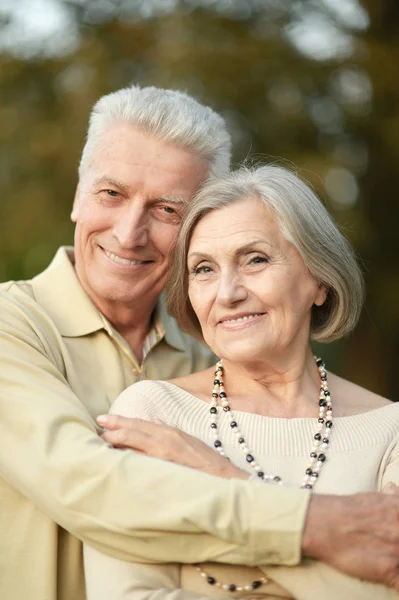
(377, 411)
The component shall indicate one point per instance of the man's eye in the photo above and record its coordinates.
(167, 214)
(112, 193)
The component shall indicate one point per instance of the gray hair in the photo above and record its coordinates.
(171, 116)
(304, 221)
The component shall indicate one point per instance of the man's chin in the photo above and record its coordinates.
(128, 295)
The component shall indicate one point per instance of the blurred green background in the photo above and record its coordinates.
(314, 82)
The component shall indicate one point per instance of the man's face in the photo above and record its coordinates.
(127, 211)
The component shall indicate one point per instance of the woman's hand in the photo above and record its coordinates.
(168, 443)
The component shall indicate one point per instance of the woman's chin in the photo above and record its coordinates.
(243, 353)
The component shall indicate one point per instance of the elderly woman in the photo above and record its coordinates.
(260, 269)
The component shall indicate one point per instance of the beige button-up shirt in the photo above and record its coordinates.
(61, 364)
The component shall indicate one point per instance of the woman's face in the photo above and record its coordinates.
(248, 285)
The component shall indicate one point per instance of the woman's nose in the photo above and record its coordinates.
(231, 289)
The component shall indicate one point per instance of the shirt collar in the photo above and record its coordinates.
(59, 291)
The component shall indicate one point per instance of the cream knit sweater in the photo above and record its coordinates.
(363, 456)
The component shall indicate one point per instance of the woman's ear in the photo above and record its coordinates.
(321, 295)
(76, 206)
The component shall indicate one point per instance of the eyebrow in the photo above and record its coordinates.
(123, 186)
(172, 199)
(112, 181)
(241, 250)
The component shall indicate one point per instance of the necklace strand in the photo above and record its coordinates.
(317, 457)
(231, 587)
(321, 439)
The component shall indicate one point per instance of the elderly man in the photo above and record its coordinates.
(75, 336)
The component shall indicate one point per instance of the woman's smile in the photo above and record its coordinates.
(240, 321)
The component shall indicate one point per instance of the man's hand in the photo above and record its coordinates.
(168, 443)
(358, 535)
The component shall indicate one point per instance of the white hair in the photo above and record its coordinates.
(170, 116)
(304, 221)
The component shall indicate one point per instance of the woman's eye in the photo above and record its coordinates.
(169, 210)
(258, 260)
(112, 193)
(202, 270)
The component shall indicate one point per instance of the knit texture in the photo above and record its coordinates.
(363, 456)
(363, 453)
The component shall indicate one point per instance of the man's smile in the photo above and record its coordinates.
(124, 261)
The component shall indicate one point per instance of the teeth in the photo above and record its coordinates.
(122, 261)
(246, 318)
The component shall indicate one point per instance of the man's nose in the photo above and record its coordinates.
(231, 289)
(131, 227)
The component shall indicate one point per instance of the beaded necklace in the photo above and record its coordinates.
(317, 456)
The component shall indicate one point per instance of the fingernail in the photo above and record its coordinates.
(390, 488)
(102, 419)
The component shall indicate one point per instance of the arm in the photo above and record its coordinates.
(107, 577)
(357, 535)
(50, 452)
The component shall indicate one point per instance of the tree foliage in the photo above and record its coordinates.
(308, 83)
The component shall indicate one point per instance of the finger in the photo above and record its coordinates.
(390, 488)
(127, 438)
(156, 427)
(118, 422)
(113, 421)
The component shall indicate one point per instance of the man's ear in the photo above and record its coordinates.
(321, 295)
(76, 206)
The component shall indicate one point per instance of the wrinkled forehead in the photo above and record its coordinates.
(241, 213)
(138, 162)
(246, 221)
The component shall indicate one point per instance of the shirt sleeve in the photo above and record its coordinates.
(107, 577)
(125, 504)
